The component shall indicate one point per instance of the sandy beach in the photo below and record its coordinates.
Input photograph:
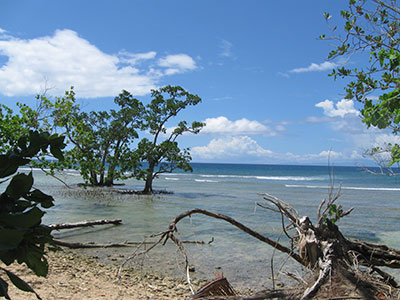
(72, 276)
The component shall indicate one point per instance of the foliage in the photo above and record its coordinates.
(13, 126)
(22, 236)
(101, 140)
(333, 214)
(372, 27)
(165, 156)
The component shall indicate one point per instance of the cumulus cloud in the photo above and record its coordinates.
(325, 66)
(228, 148)
(222, 125)
(343, 118)
(65, 59)
(340, 109)
(323, 156)
(246, 149)
(177, 63)
(386, 139)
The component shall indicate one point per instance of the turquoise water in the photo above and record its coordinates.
(233, 190)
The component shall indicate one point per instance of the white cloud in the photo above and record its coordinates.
(134, 58)
(315, 120)
(246, 149)
(228, 148)
(222, 125)
(327, 65)
(65, 60)
(177, 63)
(343, 107)
(385, 139)
(226, 48)
(321, 157)
(343, 118)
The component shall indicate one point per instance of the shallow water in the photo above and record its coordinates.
(231, 190)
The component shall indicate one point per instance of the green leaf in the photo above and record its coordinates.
(9, 164)
(37, 196)
(20, 185)
(36, 262)
(4, 289)
(10, 238)
(21, 284)
(26, 219)
(327, 16)
(56, 152)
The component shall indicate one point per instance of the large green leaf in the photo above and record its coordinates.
(9, 164)
(10, 238)
(37, 196)
(19, 283)
(4, 289)
(20, 185)
(56, 152)
(26, 219)
(36, 261)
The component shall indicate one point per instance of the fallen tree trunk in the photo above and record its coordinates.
(333, 259)
(77, 245)
(84, 224)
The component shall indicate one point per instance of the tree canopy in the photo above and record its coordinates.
(103, 144)
(371, 31)
(101, 139)
(165, 155)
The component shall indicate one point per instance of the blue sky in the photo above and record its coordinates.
(258, 66)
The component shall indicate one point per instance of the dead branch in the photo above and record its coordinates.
(278, 246)
(84, 224)
(371, 254)
(321, 248)
(77, 245)
(170, 234)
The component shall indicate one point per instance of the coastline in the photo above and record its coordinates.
(75, 277)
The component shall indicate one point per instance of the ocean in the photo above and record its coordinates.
(233, 190)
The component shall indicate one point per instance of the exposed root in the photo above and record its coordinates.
(343, 268)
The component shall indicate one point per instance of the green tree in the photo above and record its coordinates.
(161, 153)
(101, 140)
(22, 235)
(371, 33)
(13, 126)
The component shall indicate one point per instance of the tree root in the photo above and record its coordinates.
(322, 248)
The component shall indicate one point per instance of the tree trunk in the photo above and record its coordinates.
(93, 178)
(148, 188)
(101, 181)
(110, 174)
(113, 164)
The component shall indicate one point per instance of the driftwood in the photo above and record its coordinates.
(77, 245)
(343, 268)
(84, 224)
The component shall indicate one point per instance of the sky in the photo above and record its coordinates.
(259, 67)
